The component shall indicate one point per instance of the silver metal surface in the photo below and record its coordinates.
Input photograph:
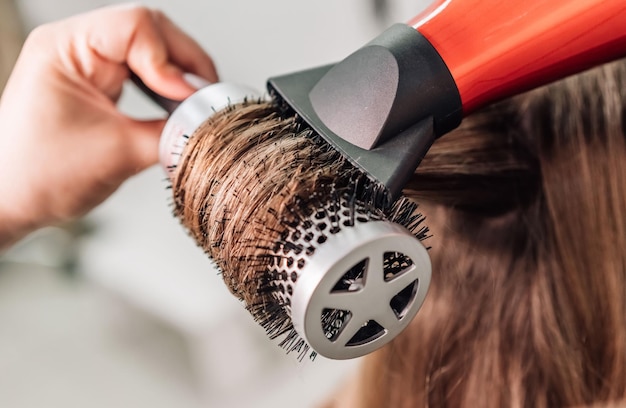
(192, 112)
(359, 289)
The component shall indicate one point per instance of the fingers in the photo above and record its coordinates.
(162, 70)
(183, 50)
(144, 40)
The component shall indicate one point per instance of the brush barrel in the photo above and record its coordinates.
(495, 49)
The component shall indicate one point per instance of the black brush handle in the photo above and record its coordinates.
(169, 105)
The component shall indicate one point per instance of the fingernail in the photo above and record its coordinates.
(195, 81)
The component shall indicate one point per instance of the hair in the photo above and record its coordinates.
(527, 305)
(526, 202)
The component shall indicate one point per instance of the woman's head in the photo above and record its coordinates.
(527, 307)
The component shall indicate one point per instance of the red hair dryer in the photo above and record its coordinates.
(384, 105)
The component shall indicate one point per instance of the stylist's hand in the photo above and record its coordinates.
(64, 146)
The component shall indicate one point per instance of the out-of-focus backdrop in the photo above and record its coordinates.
(121, 309)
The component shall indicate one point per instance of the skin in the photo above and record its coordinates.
(64, 145)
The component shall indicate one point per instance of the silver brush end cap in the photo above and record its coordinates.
(360, 289)
(194, 111)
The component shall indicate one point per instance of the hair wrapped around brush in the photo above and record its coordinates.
(256, 191)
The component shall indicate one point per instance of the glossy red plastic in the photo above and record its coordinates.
(498, 48)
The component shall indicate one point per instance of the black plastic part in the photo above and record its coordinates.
(169, 105)
(385, 87)
(381, 107)
(390, 164)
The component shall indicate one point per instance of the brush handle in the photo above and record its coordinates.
(168, 105)
(496, 49)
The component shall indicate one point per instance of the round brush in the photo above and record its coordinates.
(297, 233)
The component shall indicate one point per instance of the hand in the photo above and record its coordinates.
(64, 146)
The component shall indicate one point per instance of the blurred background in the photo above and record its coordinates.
(121, 308)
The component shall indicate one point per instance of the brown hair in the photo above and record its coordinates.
(527, 306)
(247, 186)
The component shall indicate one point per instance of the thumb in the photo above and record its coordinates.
(143, 144)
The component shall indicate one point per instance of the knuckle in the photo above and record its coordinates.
(158, 15)
(39, 33)
(139, 13)
(39, 39)
(146, 16)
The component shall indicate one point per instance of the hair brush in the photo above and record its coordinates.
(345, 264)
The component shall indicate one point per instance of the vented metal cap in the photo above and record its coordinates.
(360, 289)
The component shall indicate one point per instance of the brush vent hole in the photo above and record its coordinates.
(369, 332)
(395, 263)
(333, 322)
(353, 279)
(402, 302)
